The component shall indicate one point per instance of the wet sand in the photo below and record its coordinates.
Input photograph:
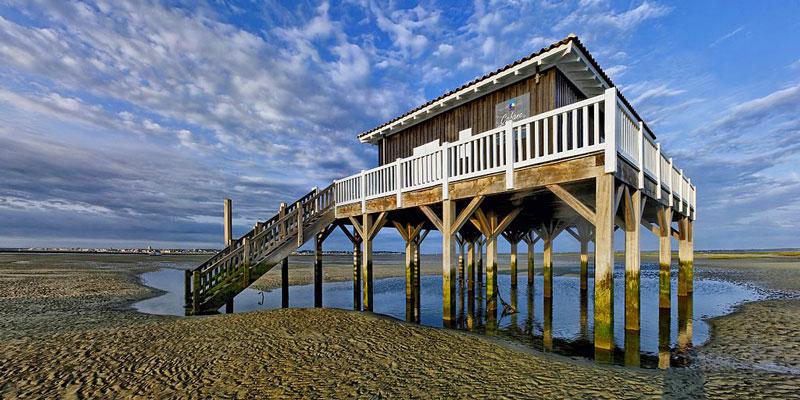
(68, 331)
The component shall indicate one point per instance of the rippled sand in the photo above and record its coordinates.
(68, 331)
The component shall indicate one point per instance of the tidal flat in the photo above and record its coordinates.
(70, 329)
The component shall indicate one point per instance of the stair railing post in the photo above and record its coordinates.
(246, 261)
(299, 211)
(196, 292)
(281, 222)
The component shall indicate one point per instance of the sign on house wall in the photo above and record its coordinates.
(512, 110)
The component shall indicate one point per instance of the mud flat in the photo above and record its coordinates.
(69, 331)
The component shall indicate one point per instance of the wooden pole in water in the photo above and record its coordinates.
(514, 240)
(318, 238)
(285, 283)
(530, 241)
(366, 263)
(228, 221)
(448, 261)
(604, 265)
(633, 202)
(357, 276)
(547, 266)
(685, 262)
(664, 257)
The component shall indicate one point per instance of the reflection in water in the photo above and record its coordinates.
(632, 356)
(664, 323)
(563, 324)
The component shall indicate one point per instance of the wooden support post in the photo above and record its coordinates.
(530, 240)
(318, 238)
(633, 202)
(491, 272)
(460, 243)
(685, 257)
(357, 276)
(547, 332)
(685, 314)
(448, 261)
(664, 339)
(228, 220)
(367, 230)
(604, 266)
(471, 267)
(664, 257)
(410, 234)
(366, 264)
(229, 305)
(355, 239)
(285, 283)
(584, 264)
(196, 291)
(514, 243)
(548, 233)
(480, 269)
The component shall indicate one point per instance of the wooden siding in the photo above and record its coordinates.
(553, 90)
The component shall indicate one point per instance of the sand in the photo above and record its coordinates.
(68, 331)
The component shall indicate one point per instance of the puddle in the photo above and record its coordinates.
(570, 324)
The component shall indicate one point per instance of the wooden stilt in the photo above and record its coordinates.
(604, 265)
(583, 233)
(449, 225)
(410, 234)
(318, 270)
(285, 283)
(547, 332)
(685, 257)
(471, 266)
(548, 232)
(633, 203)
(448, 261)
(664, 257)
(513, 263)
(355, 239)
(664, 339)
(367, 229)
(529, 240)
(229, 305)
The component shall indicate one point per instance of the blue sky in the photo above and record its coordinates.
(127, 123)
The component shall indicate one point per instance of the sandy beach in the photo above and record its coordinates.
(69, 331)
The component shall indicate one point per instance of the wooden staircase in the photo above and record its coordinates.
(220, 278)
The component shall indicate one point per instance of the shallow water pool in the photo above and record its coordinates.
(563, 325)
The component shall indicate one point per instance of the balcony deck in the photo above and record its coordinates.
(562, 146)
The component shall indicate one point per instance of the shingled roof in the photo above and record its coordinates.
(571, 38)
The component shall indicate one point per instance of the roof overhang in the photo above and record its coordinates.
(568, 55)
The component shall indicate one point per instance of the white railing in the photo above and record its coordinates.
(563, 133)
(650, 163)
(629, 134)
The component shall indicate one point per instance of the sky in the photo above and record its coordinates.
(126, 123)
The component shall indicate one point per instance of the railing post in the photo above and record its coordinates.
(640, 150)
(196, 291)
(445, 170)
(680, 192)
(315, 190)
(363, 181)
(658, 171)
(398, 173)
(281, 222)
(509, 134)
(671, 182)
(610, 104)
(299, 211)
(246, 261)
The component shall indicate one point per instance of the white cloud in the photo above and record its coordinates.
(726, 36)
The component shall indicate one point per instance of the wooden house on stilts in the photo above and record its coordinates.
(544, 146)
